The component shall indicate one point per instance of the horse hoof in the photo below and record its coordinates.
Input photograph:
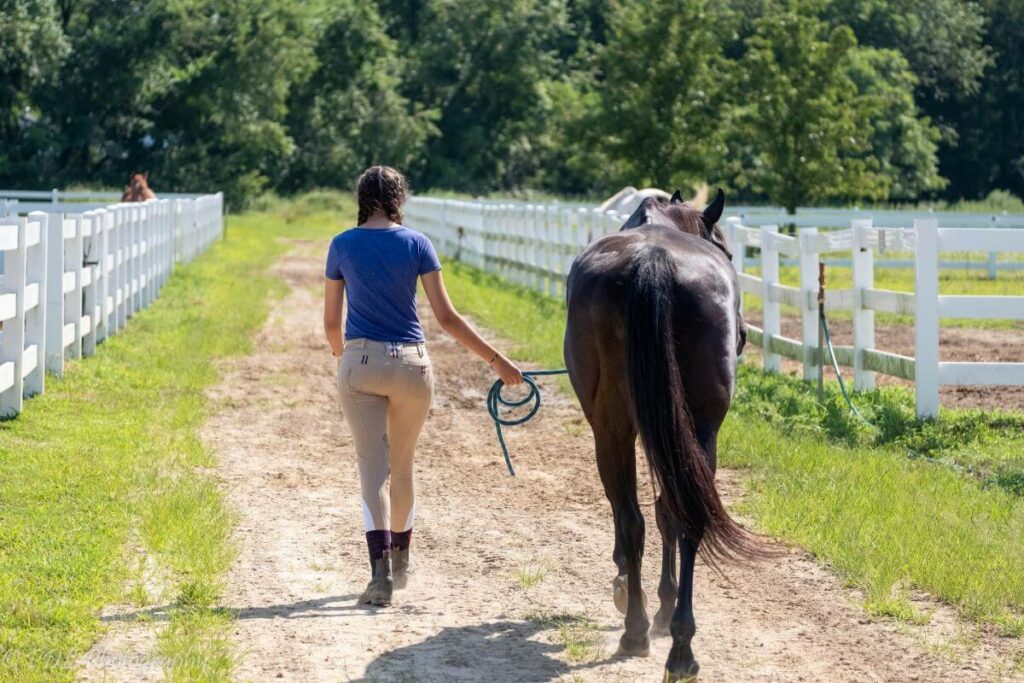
(661, 625)
(620, 594)
(633, 647)
(686, 674)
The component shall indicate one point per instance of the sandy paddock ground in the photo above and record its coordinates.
(955, 344)
(515, 573)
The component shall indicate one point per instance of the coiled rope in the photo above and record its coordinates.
(495, 402)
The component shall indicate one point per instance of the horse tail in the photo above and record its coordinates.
(679, 464)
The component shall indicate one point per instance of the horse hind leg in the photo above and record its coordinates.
(629, 526)
(681, 665)
(616, 461)
(668, 586)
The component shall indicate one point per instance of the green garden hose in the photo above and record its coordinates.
(495, 400)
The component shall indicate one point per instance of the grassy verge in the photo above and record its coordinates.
(105, 469)
(849, 495)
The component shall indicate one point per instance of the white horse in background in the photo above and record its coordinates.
(628, 198)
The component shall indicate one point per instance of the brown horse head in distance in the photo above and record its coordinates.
(137, 189)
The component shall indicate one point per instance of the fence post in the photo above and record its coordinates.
(564, 253)
(73, 299)
(531, 247)
(863, 262)
(770, 276)
(103, 291)
(54, 352)
(808, 246)
(35, 320)
(13, 349)
(148, 242)
(445, 231)
(89, 293)
(138, 265)
(483, 242)
(732, 233)
(926, 320)
(550, 248)
(178, 221)
(120, 249)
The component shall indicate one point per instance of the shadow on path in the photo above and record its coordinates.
(335, 605)
(494, 652)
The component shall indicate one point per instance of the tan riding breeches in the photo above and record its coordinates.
(385, 392)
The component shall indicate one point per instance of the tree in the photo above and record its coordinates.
(483, 67)
(656, 114)
(193, 90)
(32, 47)
(350, 114)
(804, 133)
(989, 123)
(904, 143)
(942, 40)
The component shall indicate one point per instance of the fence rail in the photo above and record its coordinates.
(73, 274)
(534, 245)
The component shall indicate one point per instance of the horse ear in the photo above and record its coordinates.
(146, 175)
(714, 210)
(676, 198)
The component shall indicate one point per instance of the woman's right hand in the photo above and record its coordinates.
(508, 372)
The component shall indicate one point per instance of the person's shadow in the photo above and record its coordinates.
(507, 650)
(494, 652)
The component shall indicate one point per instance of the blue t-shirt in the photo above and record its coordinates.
(380, 267)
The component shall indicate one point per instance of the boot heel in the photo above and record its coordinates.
(403, 566)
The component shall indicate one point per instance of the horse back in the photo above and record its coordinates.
(704, 281)
(704, 296)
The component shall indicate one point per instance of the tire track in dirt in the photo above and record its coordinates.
(482, 538)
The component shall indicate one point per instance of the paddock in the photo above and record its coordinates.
(516, 572)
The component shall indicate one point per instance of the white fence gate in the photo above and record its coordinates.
(534, 245)
(72, 275)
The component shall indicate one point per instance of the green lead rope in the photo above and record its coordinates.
(495, 401)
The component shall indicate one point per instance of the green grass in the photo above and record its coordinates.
(850, 495)
(109, 459)
(578, 635)
(985, 445)
(530, 576)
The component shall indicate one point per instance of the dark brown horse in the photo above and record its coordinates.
(137, 189)
(651, 344)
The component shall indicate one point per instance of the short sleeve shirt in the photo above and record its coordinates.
(380, 267)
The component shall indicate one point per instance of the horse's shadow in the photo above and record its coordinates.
(506, 650)
(494, 651)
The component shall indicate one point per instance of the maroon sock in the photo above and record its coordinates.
(400, 540)
(377, 541)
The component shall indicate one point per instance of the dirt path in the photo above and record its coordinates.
(515, 578)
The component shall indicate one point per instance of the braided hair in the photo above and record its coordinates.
(383, 189)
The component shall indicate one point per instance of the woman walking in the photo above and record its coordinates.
(385, 380)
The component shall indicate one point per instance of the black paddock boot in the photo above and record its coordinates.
(403, 566)
(382, 585)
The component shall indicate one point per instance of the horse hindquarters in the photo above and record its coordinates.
(689, 507)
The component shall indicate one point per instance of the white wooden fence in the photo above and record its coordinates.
(73, 274)
(534, 245)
